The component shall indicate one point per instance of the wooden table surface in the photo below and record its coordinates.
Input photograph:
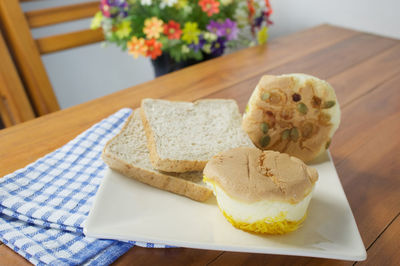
(363, 68)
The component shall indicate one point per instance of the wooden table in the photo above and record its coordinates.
(363, 68)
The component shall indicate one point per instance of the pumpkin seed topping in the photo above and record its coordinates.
(265, 96)
(264, 141)
(264, 127)
(294, 134)
(328, 104)
(285, 134)
(328, 144)
(302, 108)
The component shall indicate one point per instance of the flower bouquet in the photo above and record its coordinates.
(183, 29)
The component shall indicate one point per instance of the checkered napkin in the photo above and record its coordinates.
(44, 205)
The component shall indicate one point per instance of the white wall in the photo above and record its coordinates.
(81, 74)
(85, 73)
(379, 17)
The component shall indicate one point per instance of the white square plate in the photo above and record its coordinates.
(125, 209)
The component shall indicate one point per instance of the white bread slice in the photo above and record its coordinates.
(127, 154)
(183, 136)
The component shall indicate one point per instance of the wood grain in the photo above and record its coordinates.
(331, 60)
(254, 62)
(166, 256)
(320, 63)
(363, 68)
(385, 250)
(367, 75)
(9, 258)
(68, 40)
(236, 258)
(5, 114)
(15, 106)
(59, 14)
(27, 57)
(353, 84)
(374, 202)
(358, 63)
(369, 131)
(206, 77)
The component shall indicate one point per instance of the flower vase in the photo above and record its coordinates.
(165, 64)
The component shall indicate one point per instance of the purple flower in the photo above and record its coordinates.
(259, 20)
(230, 29)
(197, 47)
(218, 46)
(216, 28)
(114, 8)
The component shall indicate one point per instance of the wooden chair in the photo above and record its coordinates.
(27, 51)
(14, 103)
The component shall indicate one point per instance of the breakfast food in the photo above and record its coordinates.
(295, 114)
(127, 153)
(261, 191)
(183, 136)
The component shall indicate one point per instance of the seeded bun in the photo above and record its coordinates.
(295, 113)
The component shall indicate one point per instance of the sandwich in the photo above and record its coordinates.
(261, 191)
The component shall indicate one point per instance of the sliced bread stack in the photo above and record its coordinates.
(166, 144)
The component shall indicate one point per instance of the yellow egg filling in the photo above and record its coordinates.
(274, 225)
(278, 224)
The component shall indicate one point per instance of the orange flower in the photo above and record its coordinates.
(250, 6)
(209, 6)
(153, 48)
(172, 30)
(268, 5)
(153, 27)
(137, 47)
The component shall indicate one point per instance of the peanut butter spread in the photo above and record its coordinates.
(296, 114)
(251, 175)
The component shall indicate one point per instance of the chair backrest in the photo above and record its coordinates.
(27, 51)
(14, 103)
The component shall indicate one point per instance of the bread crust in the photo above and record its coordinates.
(159, 180)
(167, 165)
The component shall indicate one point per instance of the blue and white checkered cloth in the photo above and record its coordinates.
(44, 205)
